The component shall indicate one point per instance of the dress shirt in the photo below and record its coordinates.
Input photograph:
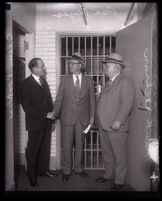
(37, 78)
(79, 77)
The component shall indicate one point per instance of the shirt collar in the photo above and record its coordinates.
(115, 77)
(79, 76)
(35, 77)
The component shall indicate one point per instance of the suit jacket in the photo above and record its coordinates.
(68, 108)
(115, 103)
(36, 101)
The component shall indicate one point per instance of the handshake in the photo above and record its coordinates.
(50, 115)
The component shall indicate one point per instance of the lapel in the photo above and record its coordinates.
(83, 85)
(107, 88)
(35, 83)
(72, 86)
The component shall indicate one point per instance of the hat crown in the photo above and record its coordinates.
(77, 55)
(115, 56)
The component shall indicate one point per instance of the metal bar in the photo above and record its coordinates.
(85, 47)
(104, 46)
(78, 44)
(91, 150)
(110, 38)
(66, 55)
(85, 153)
(97, 60)
(72, 45)
(97, 149)
(91, 54)
(129, 14)
(84, 14)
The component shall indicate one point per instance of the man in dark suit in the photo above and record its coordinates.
(37, 103)
(114, 107)
(75, 105)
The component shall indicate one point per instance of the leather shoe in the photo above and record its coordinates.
(82, 174)
(49, 174)
(33, 182)
(101, 180)
(117, 187)
(65, 177)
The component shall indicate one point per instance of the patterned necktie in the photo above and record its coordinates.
(41, 81)
(77, 87)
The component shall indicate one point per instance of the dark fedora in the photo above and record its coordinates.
(114, 58)
(77, 56)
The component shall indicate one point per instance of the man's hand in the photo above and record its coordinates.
(116, 125)
(53, 126)
(50, 115)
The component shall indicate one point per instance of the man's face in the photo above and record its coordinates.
(75, 66)
(40, 69)
(110, 69)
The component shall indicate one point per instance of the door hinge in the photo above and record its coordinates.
(26, 45)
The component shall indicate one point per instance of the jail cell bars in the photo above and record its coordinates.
(92, 157)
(94, 49)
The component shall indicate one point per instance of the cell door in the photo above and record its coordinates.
(135, 44)
(93, 49)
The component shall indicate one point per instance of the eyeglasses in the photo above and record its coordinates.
(72, 63)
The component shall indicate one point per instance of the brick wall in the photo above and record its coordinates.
(45, 48)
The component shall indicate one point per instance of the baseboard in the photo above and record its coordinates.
(21, 160)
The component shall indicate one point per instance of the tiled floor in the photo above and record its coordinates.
(75, 183)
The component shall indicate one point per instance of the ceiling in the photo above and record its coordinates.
(106, 17)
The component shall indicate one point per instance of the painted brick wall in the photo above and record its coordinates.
(45, 48)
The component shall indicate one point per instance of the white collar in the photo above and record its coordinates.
(79, 76)
(115, 77)
(36, 77)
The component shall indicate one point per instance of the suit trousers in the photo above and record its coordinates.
(113, 145)
(71, 134)
(38, 150)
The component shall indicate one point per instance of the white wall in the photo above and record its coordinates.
(45, 48)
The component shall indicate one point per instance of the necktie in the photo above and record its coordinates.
(107, 85)
(77, 87)
(109, 82)
(41, 81)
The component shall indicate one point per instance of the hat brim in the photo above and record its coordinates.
(76, 58)
(115, 62)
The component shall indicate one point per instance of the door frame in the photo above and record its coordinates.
(29, 53)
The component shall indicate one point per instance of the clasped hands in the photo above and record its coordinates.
(50, 115)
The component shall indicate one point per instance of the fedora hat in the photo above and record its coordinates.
(114, 58)
(77, 56)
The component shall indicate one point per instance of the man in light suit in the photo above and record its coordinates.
(37, 103)
(75, 105)
(114, 106)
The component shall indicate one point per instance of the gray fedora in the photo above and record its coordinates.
(77, 56)
(114, 58)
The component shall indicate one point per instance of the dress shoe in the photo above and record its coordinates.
(117, 187)
(48, 173)
(65, 177)
(101, 180)
(33, 182)
(82, 174)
